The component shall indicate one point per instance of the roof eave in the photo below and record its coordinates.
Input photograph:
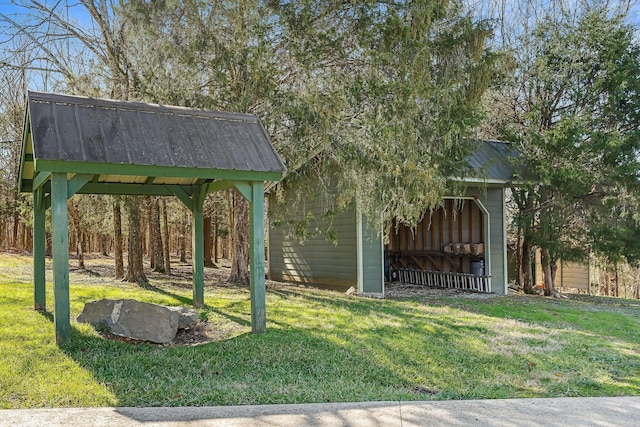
(266, 135)
(485, 181)
(154, 171)
(26, 131)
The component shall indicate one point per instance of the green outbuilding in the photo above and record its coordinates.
(460, 245)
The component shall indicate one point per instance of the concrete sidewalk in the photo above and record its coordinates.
(607, 411)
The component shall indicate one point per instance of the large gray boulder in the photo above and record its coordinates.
(138, 320)
(188, 317)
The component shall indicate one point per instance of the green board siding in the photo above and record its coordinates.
(315, 261)
(492, 198)
(372, 261)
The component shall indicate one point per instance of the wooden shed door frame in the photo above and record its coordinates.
(486, 232)
(362, 232)
(486, 221)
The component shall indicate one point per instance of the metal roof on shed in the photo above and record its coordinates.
(492, 161)
(72, 129)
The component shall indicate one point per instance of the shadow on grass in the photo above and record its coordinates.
(323, 347)
(46, 314)
(180, 298)
(590, 317)
(575, 325)
(232, 317)
(292, 366)
(291, 363)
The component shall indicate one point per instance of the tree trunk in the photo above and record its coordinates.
(27, 241)
(48, 246)
(167, 252)
(528, 286)
(524, 201)
(16, 223)
(156, 236)
(240, 258)
(519, 271)
(135, 266)
(80, 252)
(104, 249)
(150, 246)
(117, 238)
(548, 267)
(229, 200)
(208, 245)
(183, 239)
(75, 220)
(215, 233)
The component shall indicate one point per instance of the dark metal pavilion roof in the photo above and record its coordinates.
(132, 142)
(491, 161)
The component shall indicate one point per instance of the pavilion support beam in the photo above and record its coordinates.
(76, 183)
(181, 194)
(256, 259)
(60, 244)
(222, 184)
(197, 241)
(245, 189)
(40, 179)
(39, 239)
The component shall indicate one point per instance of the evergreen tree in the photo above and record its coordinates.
(379, 96)
(573, 108)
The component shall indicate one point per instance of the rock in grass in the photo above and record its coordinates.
(97, 312)
(188, 317)
(133, 319)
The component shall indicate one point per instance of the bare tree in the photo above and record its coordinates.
(240, 255)
(156, 236)
(117, 237)
(88, 59)
(13, 82)
(165, 233)
(135, 269)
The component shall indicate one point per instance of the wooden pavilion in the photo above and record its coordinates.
(74, 145)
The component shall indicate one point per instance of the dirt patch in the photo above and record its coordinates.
(402, 290)
(205, 332)
(99, 269)
(202, 333)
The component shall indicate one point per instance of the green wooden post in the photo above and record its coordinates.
(39, 238)
(197, 242)
(60, 242)
(256, 259)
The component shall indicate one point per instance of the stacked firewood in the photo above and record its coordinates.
(475, 249)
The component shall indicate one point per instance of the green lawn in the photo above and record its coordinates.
(321, 346)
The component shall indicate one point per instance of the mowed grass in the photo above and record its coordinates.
(321, 346)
